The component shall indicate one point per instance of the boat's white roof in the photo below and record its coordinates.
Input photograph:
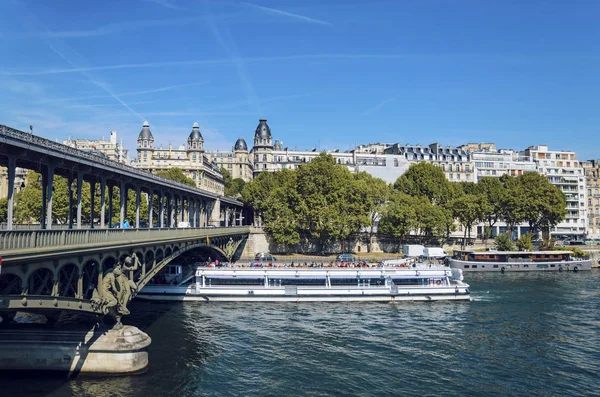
(324, 272)
(520, 252)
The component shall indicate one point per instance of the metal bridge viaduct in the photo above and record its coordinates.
(48, 270)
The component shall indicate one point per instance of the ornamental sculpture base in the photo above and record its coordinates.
(96, 351)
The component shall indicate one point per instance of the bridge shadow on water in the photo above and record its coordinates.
(150, 317)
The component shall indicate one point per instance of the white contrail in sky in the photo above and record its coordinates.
(160, 89)
(100, 84)
(289, 14)
(222, 61)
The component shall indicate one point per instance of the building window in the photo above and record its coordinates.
(264, 157)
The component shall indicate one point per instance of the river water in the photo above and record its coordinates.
(534, 334)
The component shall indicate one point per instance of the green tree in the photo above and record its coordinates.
(177, 175)
(543, 204)
(469, 209)
(432, 221)
(525, 242)
(398, 216)
(233, 187)
(3, 209)
(494, 192)
(376, 193)
(331, 205)
(426, 180)
(28, 201)
(504, 242)
(512, 202)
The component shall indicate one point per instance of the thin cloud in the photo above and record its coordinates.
(289, 14)
(165, 3)
(132, 93)
(221, 61)
(381, 104)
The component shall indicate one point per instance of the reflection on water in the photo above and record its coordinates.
(523, 334)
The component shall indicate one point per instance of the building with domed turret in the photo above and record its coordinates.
(237, 161)
(190, 158)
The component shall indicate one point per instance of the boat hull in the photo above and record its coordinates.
(183, 294)
(474, 266)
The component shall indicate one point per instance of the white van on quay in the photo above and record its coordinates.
(183, 224)
(434, 253)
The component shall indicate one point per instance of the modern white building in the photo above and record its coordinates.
(564, 171)
(502, 162)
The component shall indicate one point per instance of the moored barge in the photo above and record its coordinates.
(517, 261)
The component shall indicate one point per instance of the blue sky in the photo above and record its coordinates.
(327, 74)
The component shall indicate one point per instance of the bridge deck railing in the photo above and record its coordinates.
(26, 239)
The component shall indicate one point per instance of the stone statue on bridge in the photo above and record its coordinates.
(117, 290)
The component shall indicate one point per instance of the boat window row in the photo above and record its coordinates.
(334, 282)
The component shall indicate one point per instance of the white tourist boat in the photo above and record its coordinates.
(279, 284)
(517, 261)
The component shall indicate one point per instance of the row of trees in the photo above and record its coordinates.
(324, 202)
(527, 198)
(28, 201)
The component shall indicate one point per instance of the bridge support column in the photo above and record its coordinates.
(110, 204)
(50, 183)
(202, 224)
(70, 180)
(137, 207)
(182, 212)
(161, 209)
(194, 212)
(79, 189)
(92, 202)
(169, 210)
(122, 203)
(44, 198)
(12, 167)
(150, 208)
(226, 213)
(189, 211)
(102, 201)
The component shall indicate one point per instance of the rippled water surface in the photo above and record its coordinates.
(523, 334)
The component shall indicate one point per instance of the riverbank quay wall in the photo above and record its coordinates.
(260, 241)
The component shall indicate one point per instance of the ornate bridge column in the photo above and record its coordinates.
(79, 188)
(189, 211)
(122, 202)
(137, 206)
(12, 166)
(169, 210)
(50, 182)
(92, 201)
(70, 182)
(110, 203)
(102, 201)
(44, 199)
(150, 208)
(161, 209)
